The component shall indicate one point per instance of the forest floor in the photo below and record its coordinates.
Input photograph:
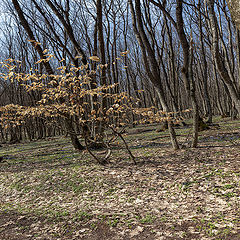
(48, 191)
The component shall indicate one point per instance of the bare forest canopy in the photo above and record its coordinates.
(67, 64)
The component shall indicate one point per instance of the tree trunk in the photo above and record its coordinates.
(234, 91)
(150, 62)
(187, 69)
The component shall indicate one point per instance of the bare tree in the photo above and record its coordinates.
(221, 65)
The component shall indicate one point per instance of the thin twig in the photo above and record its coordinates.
(125, 143)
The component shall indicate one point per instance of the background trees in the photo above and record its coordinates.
(183, 55)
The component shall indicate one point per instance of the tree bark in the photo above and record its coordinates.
(187, 68)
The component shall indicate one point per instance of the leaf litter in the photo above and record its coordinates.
(53, 193)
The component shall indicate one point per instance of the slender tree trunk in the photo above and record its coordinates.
(234, 91)
(187, 69)
(205, 68)
(150, 63)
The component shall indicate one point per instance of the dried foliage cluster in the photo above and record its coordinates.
(69, 95)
